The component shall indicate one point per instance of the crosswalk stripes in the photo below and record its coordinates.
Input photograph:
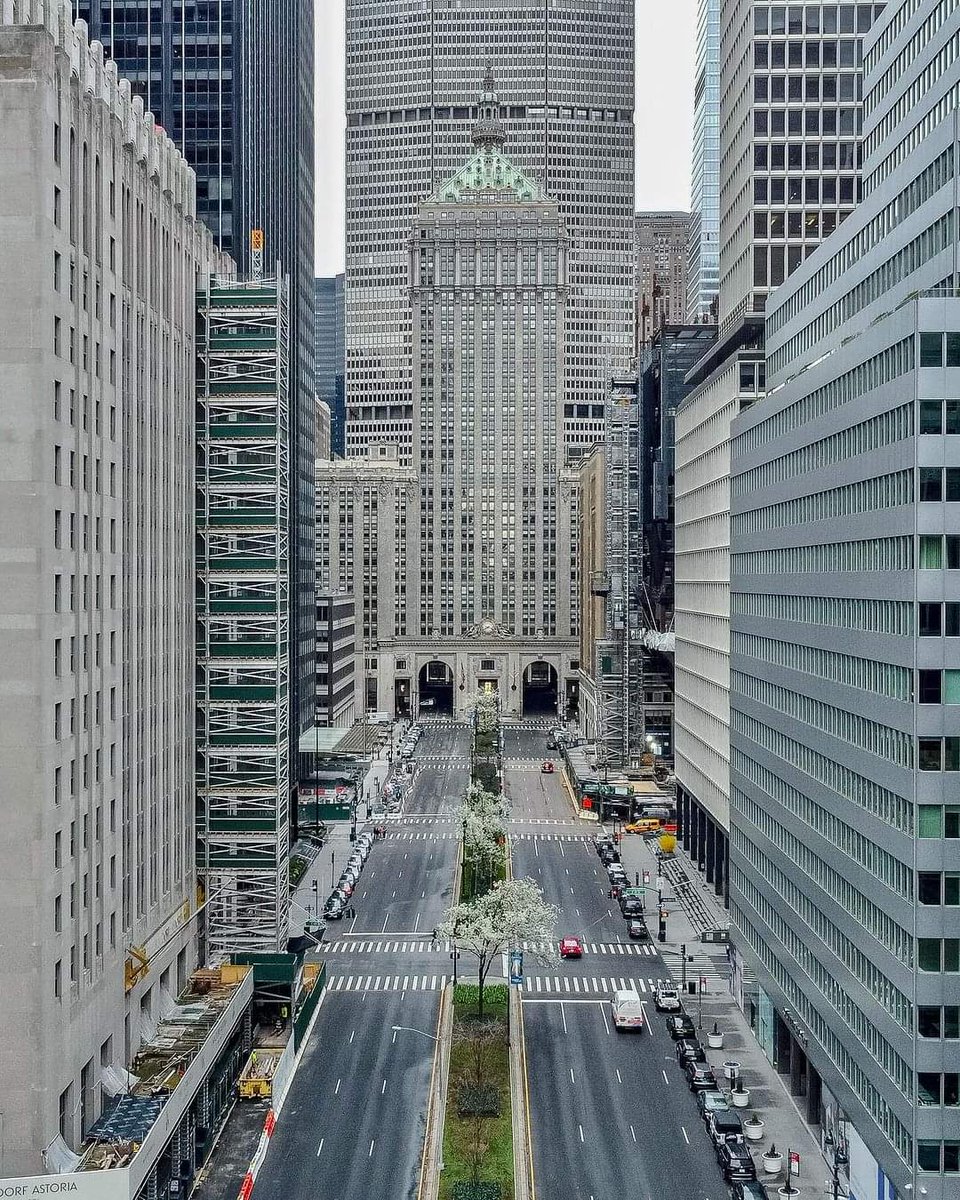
(550, 837)
(533, 985)
(413, 835)
(360, 945)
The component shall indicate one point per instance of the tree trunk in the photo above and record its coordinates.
(484, 967)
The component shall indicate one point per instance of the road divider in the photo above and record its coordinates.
(430, 1162)
(523, 1174)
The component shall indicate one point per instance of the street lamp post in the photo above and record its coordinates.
(839, 1159)
(333, 859)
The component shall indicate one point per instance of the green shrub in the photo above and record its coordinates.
(477, 1191)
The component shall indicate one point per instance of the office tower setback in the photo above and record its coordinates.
(565, 75)
(703, 250)
(233, 86)
(100, 251)
(845, 548)
(331, 357)
(488, 292)
(243, 614)
(337, 659)
(661, 272)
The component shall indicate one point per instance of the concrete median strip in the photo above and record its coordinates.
(430, 1163)
(523, 1177)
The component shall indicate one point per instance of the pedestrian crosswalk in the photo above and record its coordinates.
(428, 819)
(411, 946)
(550, 837)
(395, 834)
(562, 987)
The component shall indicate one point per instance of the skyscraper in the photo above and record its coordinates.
(488, 292)
(232, 84)
(330, 354)
(703, 261)
(97, 324)
(790, 114)
(661, 271)
(565, 77)
(845, 663)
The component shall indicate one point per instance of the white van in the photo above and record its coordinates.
(627, 1010)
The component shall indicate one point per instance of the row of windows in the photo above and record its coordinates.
(876, 554)
(920, 85)
(882, 740)
(940, 350)
(889, 364)
(864, 496)
(881, 678)
(930, 180)
(938, 551)
(870, 616)
(837, 996)
(870, 916)
(847, 444)
(883, 865)
(797, 997)
(938, 754)
(887, 806)
(936, 238)
(811, 18)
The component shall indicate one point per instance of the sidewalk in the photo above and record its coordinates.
(693, 906)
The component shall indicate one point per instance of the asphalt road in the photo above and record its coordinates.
(353, 1122)
(611, 1115)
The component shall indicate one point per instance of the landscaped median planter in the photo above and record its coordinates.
(478, 1124)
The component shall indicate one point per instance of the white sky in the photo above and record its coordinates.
(666, 42)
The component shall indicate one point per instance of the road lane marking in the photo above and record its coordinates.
(603, 1013)
(684, 1132)
(384, 1088)
(633, 1133)
(580, 1127)
(619, 1079)
(320, 1147)
(664, 1074)
(352, 1036)
(572, 1080)
(563, 1018)
(370, 1152)
(336, 1090)
(385, 920)
(416, 924)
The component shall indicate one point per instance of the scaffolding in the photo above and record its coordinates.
(243, 614)
(618, 660)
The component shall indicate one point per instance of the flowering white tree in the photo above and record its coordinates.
(513, 911)
(486, 710)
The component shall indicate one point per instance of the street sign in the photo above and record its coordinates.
(633, 891)
(794, 1162)
(516, 966)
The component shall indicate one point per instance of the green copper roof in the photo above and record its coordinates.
(489, 170)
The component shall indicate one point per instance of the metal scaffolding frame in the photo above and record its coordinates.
(243, 613)
(618, 659)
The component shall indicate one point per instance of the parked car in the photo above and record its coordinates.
(690, 1050)
(667, 999)
(631, 906)
(333, 909)
(748, 1189)
(723, 1124)
(699, 1077)
(571, 947)
(602, 843)
(345, 886)
(637, 929)
(547, 766)
(736, 1161)
(710, 1102)
(680, 1026)
(609, 854)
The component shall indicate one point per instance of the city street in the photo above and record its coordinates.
(353, 1122)
(610, 1113)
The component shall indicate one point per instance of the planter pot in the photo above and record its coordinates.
(731, 1069)
(740, 1099)
(773, 1163)
(753, 1130)
(715, 1041)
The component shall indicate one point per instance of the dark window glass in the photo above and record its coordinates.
(778, 18)
(951, 954)
(776, 191)
(811, 56)
(760, 57)
(951, 1097)
(847, 52)
(951, 1158)
(928, 954)
(795, 19)
(930, 619)
(951, 1021)
(953, 349)
(953, 552)
(952, 424)
(760, 87)
(778, 88)
(795, 87)
(931, 483)
(931, 349)
(951, 488)
(931, 416)
(929, 1024)
(795, 54)
(777, 122)
(930, 754)
(761, 23)
(928, 887)
(951, 889)
(929, 686)
(928, 1156)
(928, 1087)
(830, 18)
(777, 156)
(778, 54)
(829, 55)
(951, 817)
(951, 619)
(846, 18)
(794, 224)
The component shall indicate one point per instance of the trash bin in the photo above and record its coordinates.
(691, 987)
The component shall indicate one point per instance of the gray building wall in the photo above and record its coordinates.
(845, 543)
(703, 248)
(97, 270)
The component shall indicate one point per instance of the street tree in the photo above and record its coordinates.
(486, 711)
(484, 841)
(512, 912)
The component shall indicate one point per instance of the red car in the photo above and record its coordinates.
(546, 767)
(571, 947)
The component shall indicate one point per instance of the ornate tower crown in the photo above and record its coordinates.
(489, 133)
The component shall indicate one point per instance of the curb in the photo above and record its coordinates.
(523, 1182)
(431, 1162)
(261, 1153)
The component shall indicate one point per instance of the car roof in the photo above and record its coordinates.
(571, 938)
